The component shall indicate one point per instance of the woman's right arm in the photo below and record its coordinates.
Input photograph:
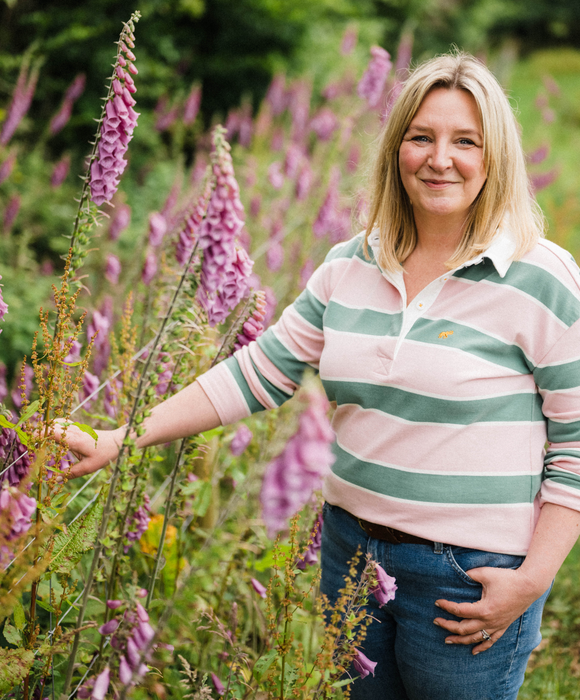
(188, 412)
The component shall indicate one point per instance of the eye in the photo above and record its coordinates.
(420, 139)
(466, 142)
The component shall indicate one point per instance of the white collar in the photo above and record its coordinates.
(500, 250)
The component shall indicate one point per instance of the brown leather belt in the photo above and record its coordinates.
(389, 534)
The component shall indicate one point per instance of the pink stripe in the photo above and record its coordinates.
(304, 341)
(558, 262)
(562, 407)
(250, 375)
(491, 528)
(327, 277)
(567, 348)
(474, 449)
(560, 495)
(495, 309)
(270, 371)
(223, 392)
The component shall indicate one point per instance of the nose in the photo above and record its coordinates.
(440, 156)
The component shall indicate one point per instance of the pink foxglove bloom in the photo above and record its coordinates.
(404, 55)
(306, 273)
(125, 673)
(363, 664)
(386, 586)
(331, 91)
(326, 219)
(274, 256)
(276, 96)
(101, 685)
(20, 103)
(114, 604)
(166, 116)
(157, 229)
(189, 233)
(60, 171)
(246, 127)
(324, 124)
(90, 387)
(300, 109)
(372, 83)
(3, 384)
(3, 308)
(76, 88)
(254, 326)
(543, 180)
(258, 587)
(234, 288)
(99, 326)
(138, 523)
(255, 205)
(165, 376)
(6, 166)
(277, 140)
(11, 212)
(539, 155)
(16, 510)
(241, 440)
(291, 478)
(116, 131)
(149, 268)
(109, 627)
(293, 160)
(15, 454)
(342, 226)
(219, 687)
(191, 106)
(353, 159)
(304, 182)
(60, 119)
(275, 175)
(113, 268)
(551, 86)
(119, 222)
(348, 41)
(310, 556)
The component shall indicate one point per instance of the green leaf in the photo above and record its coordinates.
(267, 561)
(21, 434)
(45, 606)
(28, 412)
(14, 667)
(11, 634)
(87, 429)
(19, 616)
(264, 663)
(339, 684)
(69, 547)
(72, 364)
(5, 423)
(203, 499)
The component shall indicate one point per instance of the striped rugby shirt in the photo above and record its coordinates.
(457, 416)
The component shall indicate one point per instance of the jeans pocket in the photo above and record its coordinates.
(463, 560)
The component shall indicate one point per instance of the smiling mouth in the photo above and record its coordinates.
(438, 184)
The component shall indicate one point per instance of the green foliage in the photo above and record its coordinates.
(14, 666)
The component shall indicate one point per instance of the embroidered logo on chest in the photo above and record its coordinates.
(445, 334)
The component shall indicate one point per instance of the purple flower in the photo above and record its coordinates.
(252, 328)
(111, 397)
(3, 307)
(241, 440)
(372, 83)
(60, 171)
(234, 287)
(255, 205)
(114, 604)
(6, 166)
(166, 115)
(19, 458)
(542, 180)
(3, 383)
(274, 256)
(101, 685)
(120, 221)
(125, 673)
(16, 511)
(157, 229)
(363, 664)
(348, 41)
(306, 273)
(304, 182)
(99, 326)
(11, 212)
(189, 233)
(20, 104)
(324, 123)
(219, 687)
(539, 155)
(149, 268)
(404, 55)
(76, 88)
(275, 175)
(276, 96)
(299, 106)
(60, 119)
(191, 105)
(246, 126)
(291, 477)
(293, 159)
(137, 524)
(277, 140)
(258, 587)
(109, 627)
(310, 556)
(327, 215)
(113, 268)
(116, 131)
(386, 587)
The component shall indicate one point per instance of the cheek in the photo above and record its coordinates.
(409, 161)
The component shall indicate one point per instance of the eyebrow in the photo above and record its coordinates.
(466, 132)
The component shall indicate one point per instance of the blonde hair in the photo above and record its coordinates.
(506, 190)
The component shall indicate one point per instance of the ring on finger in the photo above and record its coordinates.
(485, 635)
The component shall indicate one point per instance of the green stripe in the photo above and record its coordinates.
(435, 488)
(311, 310)
(557, 377)
(558, 454)
(277, 395)
(361, 321)
(280, 356)
(570, 480)
(348, 249)
(253, 404)
(563, 432)
(531, 280)
(427, 409)
(471, 341)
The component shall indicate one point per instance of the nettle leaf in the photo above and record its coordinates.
(28, 412)
(69, 547)
(19, 616)
(11, 634)
(14, 667)
(87, 429)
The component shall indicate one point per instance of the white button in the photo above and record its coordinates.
(419, 304)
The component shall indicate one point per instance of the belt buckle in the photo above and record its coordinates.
(393, 539)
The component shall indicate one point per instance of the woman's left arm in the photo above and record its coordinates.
(508, 593)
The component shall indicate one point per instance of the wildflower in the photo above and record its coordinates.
(258, 587)
(219, 687)
(165, 375)
(101, 685)
(19, 458)
(291, 477)
(310, 556)
(363, 664)
(353, 158)
(304, 182)
(274, 256)
(190, 230)
(157, 229)
(373, 81)
(6, 166)
(306, 272)
(166, 116)
(120, 221)
(246, 126)
(385, 588)
(276, 96)
(275, 175)
(111, 396)
(191, 106)
(254, 326)
(293, 159)
(404, 55)
(234, 288)
(99, 326)
(324, 123)
(60, 171)
(539, 155)
(277, 140)
(299, 109)
(3, 383)
(125, 673)
(149, 268)
(542, 180)
(114, 604)
(20, 103)
(348, 41)
(11, 212)
(16, 509)
(109, 627)
(326, 219)
(3, 309)
(117, 128)
(255, 205)
(113, 268)
(138, 523)
(241, 440)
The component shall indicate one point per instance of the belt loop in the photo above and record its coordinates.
(437, 548)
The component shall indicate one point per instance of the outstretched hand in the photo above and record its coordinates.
(507, 594)
(91, 456)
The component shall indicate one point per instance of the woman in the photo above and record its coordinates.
(450, 345)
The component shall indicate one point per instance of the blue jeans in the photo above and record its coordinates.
(413, 661)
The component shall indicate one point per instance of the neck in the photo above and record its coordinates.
(438, 236)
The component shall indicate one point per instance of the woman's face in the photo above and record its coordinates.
(441, 156)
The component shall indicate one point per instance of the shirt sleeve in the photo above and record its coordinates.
(558, 381)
